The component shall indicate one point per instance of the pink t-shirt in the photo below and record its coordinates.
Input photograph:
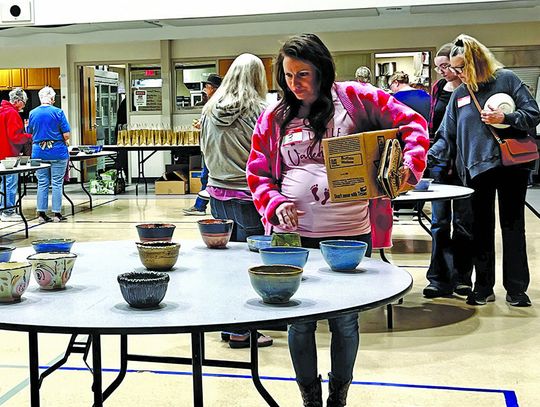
(305, 183)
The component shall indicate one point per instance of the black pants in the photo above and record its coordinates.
(510, 184)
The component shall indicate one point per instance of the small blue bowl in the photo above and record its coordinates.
(257, 242)
(5, 253)
(423, 184)
(53, 245)
(291, 256)
(343, 255)
(275, 284)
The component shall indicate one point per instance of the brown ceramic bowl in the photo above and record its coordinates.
(216, 233)
(159, 256)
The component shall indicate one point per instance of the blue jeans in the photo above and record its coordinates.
(247, 221)
(201, 204)
(54, 175)
(452, 239)
(343, 348)
(12, 181)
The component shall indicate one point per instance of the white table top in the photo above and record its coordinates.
(436, 192)
(22, 168)
(208, 290)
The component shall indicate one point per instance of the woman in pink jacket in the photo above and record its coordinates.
(287, 178)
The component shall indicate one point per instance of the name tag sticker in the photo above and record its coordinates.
(465, 100)
(293, 137)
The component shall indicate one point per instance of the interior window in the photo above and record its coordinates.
(189, 83)
(146, 84)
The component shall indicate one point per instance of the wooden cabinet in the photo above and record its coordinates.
(29, 78)
(225, 64)
(35, 78)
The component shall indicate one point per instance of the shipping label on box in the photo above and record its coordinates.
(352, 162)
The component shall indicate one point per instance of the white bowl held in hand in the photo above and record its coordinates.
(501, 101)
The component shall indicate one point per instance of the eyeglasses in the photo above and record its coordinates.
(442, 67)
(457, 69)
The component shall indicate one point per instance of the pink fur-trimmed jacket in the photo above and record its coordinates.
(371, 109)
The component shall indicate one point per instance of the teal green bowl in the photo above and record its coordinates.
(275, 284)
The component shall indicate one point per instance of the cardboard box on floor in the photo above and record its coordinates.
(171, 183)
(195, 183)
(352, 162)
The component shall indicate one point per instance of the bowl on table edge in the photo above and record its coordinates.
(9, 163)
(292, 256)
(53, 245)
(23, 159)
(155, 232)
(159, 256)
(35, 162)
(52, 270)
(216, 233)
(275, 284)
(257, 242)
(143, 289)
(14, 280)
(423, 184)
(5, 253)
(343, 255)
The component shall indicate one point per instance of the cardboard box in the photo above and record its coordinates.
(195, 184)
(352, 162)
(170, 187)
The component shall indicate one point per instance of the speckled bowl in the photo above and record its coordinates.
(53, 245)
(343, 255)
(52, 270)
(143, 289)
(155, 232)
(160, 256)
(216, 233)
(14, 280)
(275, 284)
(5, 253)
(292, 256)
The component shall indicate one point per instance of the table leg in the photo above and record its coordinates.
(421, 214)
(69, 200)
(97, 386)
(33, 352)
(254, 351)
(19, 203)
(123, 368)
(85, 190)
(196, 355)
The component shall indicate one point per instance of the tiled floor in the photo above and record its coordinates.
(441, 353)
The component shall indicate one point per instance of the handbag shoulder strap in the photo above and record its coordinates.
(497, 138)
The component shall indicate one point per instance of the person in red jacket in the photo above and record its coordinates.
(12, 138)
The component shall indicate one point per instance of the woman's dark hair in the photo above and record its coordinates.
(307, 47)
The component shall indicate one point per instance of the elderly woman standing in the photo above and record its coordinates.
(287, 177)
(465, 137)
(50, 134)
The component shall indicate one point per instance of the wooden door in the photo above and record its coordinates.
(35, 78)
(17, 78)
(88, 115)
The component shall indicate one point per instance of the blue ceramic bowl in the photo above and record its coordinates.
(291, 256)
(257, 242)
(5, 253)
(275, 284)
(143, 289)
(53, 245)
(423, 184)
(155, 232)
(343, 255)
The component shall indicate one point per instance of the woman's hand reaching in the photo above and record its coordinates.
(287, 215)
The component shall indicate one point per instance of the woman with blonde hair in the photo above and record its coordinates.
(466, 139)
(227, 124)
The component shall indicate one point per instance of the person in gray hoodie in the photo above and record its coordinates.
(227, 124)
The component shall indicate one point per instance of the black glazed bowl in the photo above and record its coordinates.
(154, 232)
(143, 289)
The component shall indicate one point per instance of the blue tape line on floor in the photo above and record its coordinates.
(509, 395)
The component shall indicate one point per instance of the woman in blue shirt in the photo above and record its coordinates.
(50, 134)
